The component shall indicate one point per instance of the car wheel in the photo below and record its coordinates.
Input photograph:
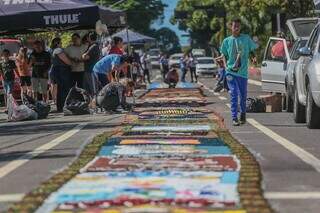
(299, 113)
(289, 102)
(312, 112)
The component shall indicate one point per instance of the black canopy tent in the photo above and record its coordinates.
(26, 16)
(132, 37)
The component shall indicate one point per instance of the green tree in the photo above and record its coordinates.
(205, 26)
(140, 13)
(167, 40)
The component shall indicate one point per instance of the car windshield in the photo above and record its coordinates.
(297, 46)
(205, 61)
(176, 57)
(304, 28)
(154, 52)
(13, 47)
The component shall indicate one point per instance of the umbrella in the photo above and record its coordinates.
(133, 37)
(23, 16)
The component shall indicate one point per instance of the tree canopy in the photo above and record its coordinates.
(167, 40)
(205, 25)
(140, 13)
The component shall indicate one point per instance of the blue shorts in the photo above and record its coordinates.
(8, 86)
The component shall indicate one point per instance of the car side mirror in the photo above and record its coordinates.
(305, 51)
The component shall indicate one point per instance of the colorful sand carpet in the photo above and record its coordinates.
(163, 163)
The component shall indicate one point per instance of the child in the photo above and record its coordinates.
(222, 83)
(7, 71)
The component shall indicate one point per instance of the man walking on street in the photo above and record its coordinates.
(183, 67)
(236, 49)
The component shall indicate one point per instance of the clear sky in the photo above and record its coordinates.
(166, 23)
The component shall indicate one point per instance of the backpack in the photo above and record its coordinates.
(77, 102)
(108, 98)
(255, 105)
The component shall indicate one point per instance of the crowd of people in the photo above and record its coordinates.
(52, 72)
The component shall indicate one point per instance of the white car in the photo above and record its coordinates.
(206, 66)
(281, 57)
(154, 58)
(201, 52)
(174, 60)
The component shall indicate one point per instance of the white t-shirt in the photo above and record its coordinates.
(76, 52)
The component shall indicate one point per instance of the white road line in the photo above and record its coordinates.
(5, 170)
(291, 195)
(11, 198)
(254, 82)
(222, 98)
(229, 106)
(298, 151)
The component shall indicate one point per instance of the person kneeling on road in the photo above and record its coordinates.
(172, 78)
(113, 96)
(108, 65)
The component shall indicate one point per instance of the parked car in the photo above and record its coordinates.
(154, 57)
(307, 82)
(281, 58)
(206, 66)
(174, 60)
(200, 52)
(13, 45)
(198, 55)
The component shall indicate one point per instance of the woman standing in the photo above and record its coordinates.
(23, 68)
(61, 70)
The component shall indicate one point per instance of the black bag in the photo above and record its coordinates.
(108, 98)
(77, 102)
(42, 109)
(39, 107)
(255, 105)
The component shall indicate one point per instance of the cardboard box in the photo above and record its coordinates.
(273, 102)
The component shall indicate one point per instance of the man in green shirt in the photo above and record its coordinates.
(236, 49)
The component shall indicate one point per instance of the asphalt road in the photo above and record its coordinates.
(31, 152)
(288, 153)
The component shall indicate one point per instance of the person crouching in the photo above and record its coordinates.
(105, 68)
(113, 96)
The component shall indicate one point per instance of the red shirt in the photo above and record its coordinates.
(277, 50)
(116, 50)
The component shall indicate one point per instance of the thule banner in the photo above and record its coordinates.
(317, 4)
(24, 16)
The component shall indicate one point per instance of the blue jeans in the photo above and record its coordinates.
(63, 83)
(102, 80)
(8, 87)
(183, 74)
(237, 88)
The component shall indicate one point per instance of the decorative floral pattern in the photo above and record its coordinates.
(189, 164)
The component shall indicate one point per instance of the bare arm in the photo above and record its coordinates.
(64, 58)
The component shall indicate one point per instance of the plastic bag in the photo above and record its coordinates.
(255, 105)
(19, 113)
(40, 107)
(77, 102)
